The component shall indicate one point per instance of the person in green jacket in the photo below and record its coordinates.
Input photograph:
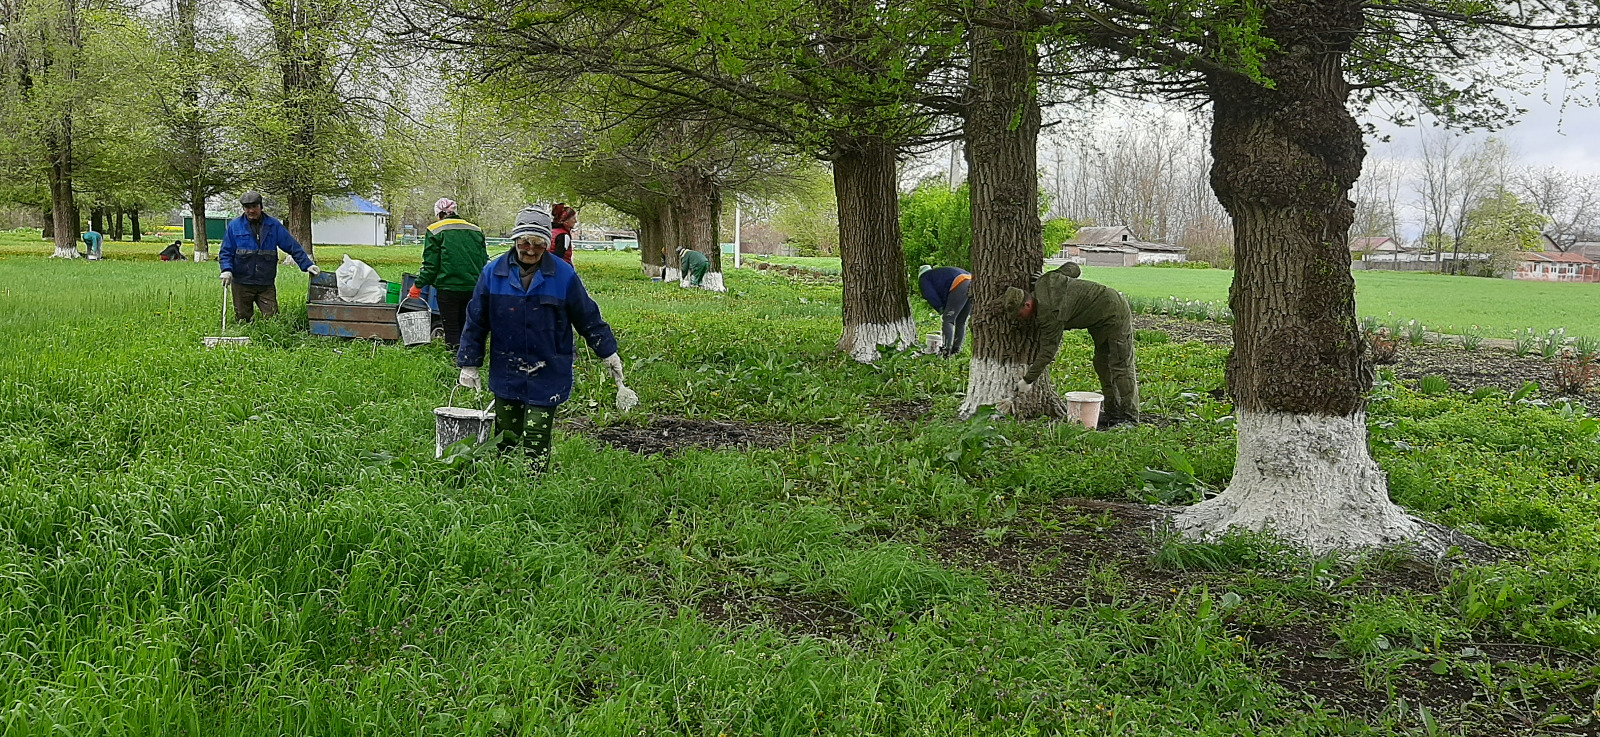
(694, 265)
(453, 255)
(1061, 301)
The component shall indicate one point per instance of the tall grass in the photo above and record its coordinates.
(257, 540)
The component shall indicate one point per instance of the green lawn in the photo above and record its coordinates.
(1449, 304)
(258, 540)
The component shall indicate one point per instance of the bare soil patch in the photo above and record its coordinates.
(1467, 371)
(794, 614)
(1095, 553)
(671, 434)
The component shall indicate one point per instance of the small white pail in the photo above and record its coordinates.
(1084, 408)
(935, 342)
(416, 327)
(454, 424)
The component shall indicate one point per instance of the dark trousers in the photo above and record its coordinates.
(1114, 363)
(957, 309)
(453, 310)
(247, 296)
(525, 426)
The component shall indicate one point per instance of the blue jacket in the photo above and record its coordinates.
(256, 263)
(531, 357)
(935, 284)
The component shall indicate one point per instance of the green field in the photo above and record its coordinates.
(1450, 304)
(258, 541)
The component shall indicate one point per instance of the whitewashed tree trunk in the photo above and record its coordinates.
(671, 273)
(993, 383)
(1311, 480)
(711, 282)
(866, 337)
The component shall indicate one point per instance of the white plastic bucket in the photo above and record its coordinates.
(1084, 408)
(454, 424)
(935, 342)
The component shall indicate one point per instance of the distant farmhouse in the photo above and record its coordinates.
(1556, 266)
(1117, 245)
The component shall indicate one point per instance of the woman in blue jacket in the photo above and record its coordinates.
(531, 303)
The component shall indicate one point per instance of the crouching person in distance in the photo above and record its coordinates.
(1060, 301)
(527, 304)
(946, 289)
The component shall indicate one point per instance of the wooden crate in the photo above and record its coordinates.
(345, 320)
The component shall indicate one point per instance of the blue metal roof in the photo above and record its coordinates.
(357, 203)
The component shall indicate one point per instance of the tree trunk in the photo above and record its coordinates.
(97, 220)
(49, 231)
(877, 307)
(651, 239)
(63, 210)
(700, 205)
(1002, 133)
(299, 219)
(116, 227)
(1284, 160)
(197, 206)
(133, 220)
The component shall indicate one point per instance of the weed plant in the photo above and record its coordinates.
(258, 540)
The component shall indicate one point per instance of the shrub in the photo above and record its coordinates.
(936, 223)
(1574, 372)
(1385, 347)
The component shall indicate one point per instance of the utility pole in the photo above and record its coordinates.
(738, 216)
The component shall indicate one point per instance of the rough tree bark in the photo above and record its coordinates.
(877, 307)
(1285, 158)
(63, 210)
(1001, 128)
(699, 208)
(299, 217)
(133, 222)
(197, 205)
(49, 232)
(97, 220)
(187, 16)
(652, 235)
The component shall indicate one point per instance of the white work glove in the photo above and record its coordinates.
(1023, 387)
(470, 379)
(626, 398)
(227, 278)
(314, 270)
(613, 364)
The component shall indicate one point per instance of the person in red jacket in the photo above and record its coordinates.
(563, 220)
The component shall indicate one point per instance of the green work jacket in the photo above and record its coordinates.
(1065, 303)
(453, 255)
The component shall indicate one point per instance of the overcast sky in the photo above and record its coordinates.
(1547, 135)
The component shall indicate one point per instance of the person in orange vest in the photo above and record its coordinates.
(946, 289)
(563, 220)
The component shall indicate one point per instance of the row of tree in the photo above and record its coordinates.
(661, 104)
(661, 108)
(119, 106)
(1472, 197)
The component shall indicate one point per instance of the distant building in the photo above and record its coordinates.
(1384, 247)
(1117, 245)
(1555, 266)
(353, 221)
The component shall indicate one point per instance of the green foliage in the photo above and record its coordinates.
(1501, 225)
(1057, 231)
(809, 217)
(936, 224)
(1178, 486)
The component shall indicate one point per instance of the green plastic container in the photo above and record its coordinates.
(393, 296)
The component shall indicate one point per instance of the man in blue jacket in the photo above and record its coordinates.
(531, 302)
(946, 289)
(249, 259)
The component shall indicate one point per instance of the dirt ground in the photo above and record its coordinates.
(1093, 553)
(1465, 370)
